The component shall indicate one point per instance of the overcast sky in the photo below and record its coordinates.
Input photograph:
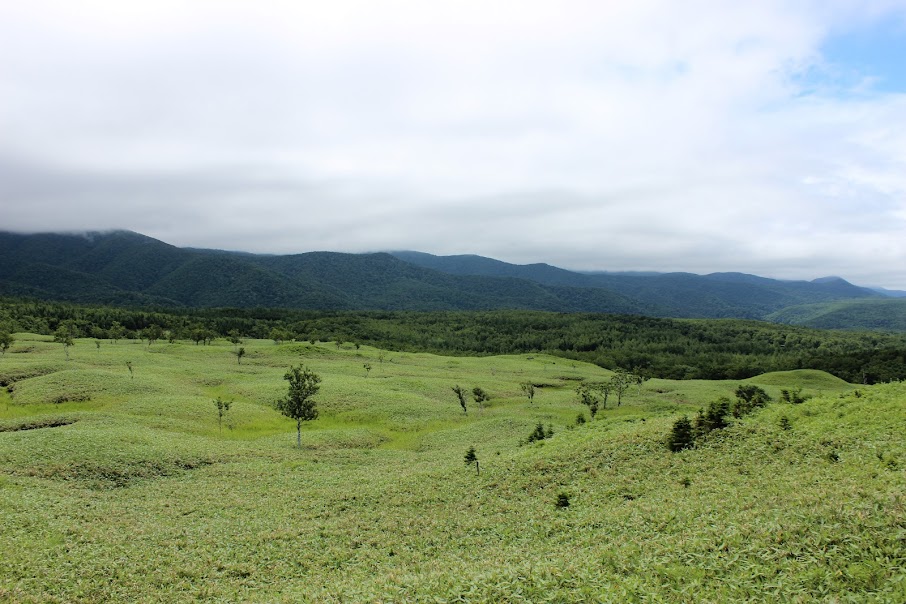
(766, 137)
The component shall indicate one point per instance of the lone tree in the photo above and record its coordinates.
(63, 335)
(116, 331)
(621, 382)
(298, 404)
(223, 408)
(528, 389)
(472, 458)
(153, 333)
(480, 396)
(6, 340)
(681, 436)
(239, 354)
(461, 395)
(588, 397)
(748, 398)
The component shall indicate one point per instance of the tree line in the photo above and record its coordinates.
(650, 347)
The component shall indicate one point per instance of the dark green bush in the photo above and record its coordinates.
(681, 437)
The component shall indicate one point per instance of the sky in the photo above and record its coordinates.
(763, 137)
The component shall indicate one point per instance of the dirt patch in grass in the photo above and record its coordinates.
(112, 474)
(37, 424)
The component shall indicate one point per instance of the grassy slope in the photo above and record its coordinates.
(140, 498)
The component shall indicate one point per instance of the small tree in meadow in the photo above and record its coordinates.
(539, 433)
(621, 382)
(472, 458)
(480, 397)
(589, 398)
(461, 396)
(116, 331)
(367, 367)
(298, 403)
(239, 354)
(278, 335)
(715, 418)
(681, 436)
(528, 389)
(153, 333)
(223, 407)
(6, 340)
(64, 335)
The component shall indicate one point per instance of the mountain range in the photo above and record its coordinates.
(126, 268)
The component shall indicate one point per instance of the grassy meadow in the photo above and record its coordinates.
(119, 485)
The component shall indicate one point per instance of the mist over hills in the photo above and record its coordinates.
(126, 268)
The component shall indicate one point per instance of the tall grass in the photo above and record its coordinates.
(139, 497)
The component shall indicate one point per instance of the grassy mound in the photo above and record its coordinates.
(812, 379)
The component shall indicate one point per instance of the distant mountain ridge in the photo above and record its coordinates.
(126, 268)
(677, 294)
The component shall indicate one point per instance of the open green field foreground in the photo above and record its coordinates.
(121, 488)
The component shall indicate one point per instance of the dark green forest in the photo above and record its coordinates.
(667, 348)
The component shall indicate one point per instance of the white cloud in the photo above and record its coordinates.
(653, 134)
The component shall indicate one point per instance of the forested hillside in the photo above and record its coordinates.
(887, 315)
(127, 269)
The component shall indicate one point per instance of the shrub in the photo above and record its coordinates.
(793, 396)
(471, 458)
(681, 436)
(749, 398)
(562, 500)
(715, 418)
(537, 434)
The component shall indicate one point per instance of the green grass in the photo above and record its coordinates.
(135, 495)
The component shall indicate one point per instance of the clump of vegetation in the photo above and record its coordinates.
(682, 435)
(685, 433)
(539, 433)
(794, 396)
(749, 398)
(562, 500)
(714, 418)
(480, 396)
(6, 340)
(580, 419)
(153, 333)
